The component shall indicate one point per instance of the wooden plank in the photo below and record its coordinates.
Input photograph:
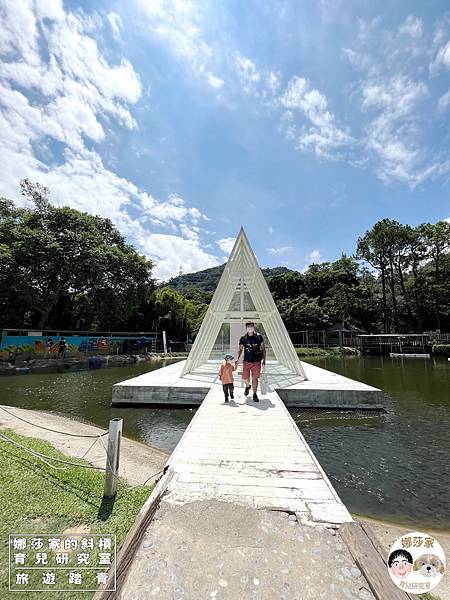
(373, 538)
(365, 552)
(132, 540)
(251, 453)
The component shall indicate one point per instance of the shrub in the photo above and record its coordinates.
(441, 349)
(311, 351)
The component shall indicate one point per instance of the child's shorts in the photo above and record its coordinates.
(251, 367)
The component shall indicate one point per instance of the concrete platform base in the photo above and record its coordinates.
(322, 389)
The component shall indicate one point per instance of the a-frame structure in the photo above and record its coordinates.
(242, 295)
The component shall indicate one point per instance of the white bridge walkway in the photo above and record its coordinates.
(251, 454)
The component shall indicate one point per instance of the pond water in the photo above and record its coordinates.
(396, 467)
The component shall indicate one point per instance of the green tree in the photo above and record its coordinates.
(61, 263)
(437, 240)
(173, 313)
(286, 285)
(319, 279)
(416, 282)
(377, 248)
(303, 313)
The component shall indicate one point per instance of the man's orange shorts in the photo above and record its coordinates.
(251, 367)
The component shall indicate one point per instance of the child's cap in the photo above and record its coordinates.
(228, 356)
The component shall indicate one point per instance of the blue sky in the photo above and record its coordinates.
(305, 122)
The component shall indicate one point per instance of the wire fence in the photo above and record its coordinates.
(79, 435)
(47, 458)
(98, 437)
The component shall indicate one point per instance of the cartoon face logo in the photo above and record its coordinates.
(429, 565)
(400, 563)
(416, 562)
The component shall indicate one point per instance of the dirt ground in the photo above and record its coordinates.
(138, 462)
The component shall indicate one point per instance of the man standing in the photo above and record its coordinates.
(254, 355)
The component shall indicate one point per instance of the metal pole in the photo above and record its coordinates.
(112, 457)
(164, 342)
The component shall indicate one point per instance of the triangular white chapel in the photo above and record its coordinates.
(242, 295)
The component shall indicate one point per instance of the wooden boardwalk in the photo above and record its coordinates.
(252, 454)
(322, 389)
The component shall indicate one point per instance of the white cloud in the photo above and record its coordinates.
(357, 59)
(183, 25)
(179, 24)
(322, 135)
(393, 99)
(278, 251)
(412, 26)
(392, 135)
(76, 83)
(399, 95)
(254, 81)
(314, 257)
(76, 88)
(171, 252)
(273, 82)
(116, 24)
(293, 95)
(215, 82)
(185, 29)
(444, 101)
(442, 57)
(247, 73)
(71, 91)
(226, 244)
(170, 211)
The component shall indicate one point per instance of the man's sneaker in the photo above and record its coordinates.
(247, 389)
(255, 398)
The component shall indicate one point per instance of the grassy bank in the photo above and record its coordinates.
(37, 499)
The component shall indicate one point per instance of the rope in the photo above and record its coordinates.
(90, 448)
(54, 430)
(148, 479)
(43, 456)
(107, 455)
(151, 476)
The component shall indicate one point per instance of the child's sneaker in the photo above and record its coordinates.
(255, 398)
(247, 389)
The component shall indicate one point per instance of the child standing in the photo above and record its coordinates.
(226, 375)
